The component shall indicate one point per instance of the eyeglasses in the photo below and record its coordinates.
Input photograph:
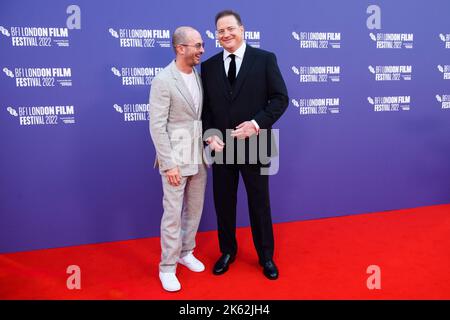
(221, 32)
(197, 46)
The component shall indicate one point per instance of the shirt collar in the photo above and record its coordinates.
(238, 53)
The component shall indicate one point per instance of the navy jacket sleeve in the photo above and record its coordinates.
(277, 92)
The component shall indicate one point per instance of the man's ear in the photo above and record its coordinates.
(179, 49)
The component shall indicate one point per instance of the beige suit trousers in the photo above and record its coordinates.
(183, 206)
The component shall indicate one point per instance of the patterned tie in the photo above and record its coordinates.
(232, 69)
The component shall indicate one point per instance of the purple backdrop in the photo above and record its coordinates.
(367, 128)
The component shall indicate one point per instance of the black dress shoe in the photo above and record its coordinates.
(270, 270)
(223, 263)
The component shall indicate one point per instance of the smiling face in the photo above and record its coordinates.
(193, 48)
(230, 33)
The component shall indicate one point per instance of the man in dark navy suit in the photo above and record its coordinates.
(243, 91)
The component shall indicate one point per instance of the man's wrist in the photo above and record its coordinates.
(256, 126)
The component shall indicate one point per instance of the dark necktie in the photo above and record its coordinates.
(232, 69)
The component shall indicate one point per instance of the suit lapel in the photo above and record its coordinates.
(181, 86)
(222, 77)
(199, 83)
(246, 66)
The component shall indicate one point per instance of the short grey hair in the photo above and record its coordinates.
(180, 36)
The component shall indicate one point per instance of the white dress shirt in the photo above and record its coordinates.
(239, 53)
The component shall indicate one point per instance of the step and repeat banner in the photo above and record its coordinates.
(367, 128)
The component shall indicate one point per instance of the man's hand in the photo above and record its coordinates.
(173, 176)
(215, 143)
(244, 130)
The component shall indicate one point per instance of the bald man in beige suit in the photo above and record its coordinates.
(175, 126)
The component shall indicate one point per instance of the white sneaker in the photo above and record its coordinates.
(169, 281)
(192, 263)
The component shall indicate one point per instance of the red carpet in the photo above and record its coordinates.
(318, 259)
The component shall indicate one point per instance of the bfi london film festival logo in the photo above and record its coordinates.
(445, 37)
(142, 38)
(386, 40)
(444, 100)
(44, 36)
(252, 38)
(445, 70)
(390, 103)
(40, 77)
(391, 73)
(318, 40)
(43, 115)
(133, 112)
(317, 106)
(136, 76)
(311, 74)
(393, 40)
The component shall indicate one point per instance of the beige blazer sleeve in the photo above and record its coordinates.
(159, 115)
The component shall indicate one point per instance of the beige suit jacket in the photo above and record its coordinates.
(175, 124)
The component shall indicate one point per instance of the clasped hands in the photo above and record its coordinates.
(244, 130)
